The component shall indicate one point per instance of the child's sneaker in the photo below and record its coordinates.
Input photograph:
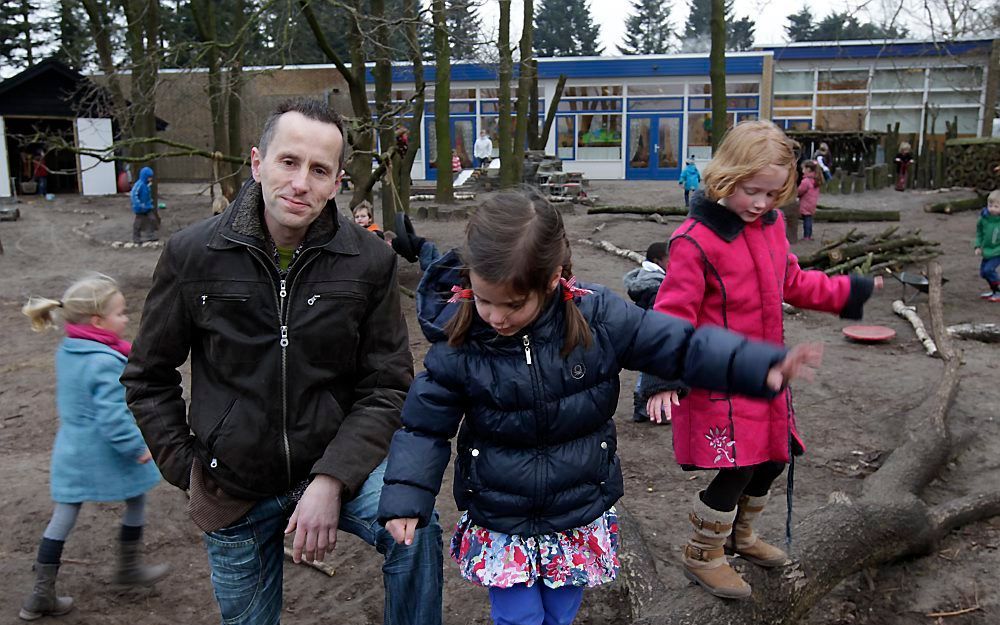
(987, 294)
(993, 298)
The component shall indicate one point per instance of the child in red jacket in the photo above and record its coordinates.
(812, 178)
(730, 266)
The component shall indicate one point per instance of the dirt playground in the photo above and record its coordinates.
(851, 416)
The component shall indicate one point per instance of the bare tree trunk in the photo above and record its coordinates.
(508, 170)
(442, 104)
(29, 46)
(533, 109)
(717, 72)
(550, 116)
(887, 522)
(100, 31)
(383, 103)
(416, 120)
(235, 94)
(142, 36)
(205, 22)
(524, 83)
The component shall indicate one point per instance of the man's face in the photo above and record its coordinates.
(298, 174)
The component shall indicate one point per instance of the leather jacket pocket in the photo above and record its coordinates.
(334, 320)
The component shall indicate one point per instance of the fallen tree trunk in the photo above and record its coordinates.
(611, 248)
(888, 521)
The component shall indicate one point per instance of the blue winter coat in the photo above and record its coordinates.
(537, 445)
(98, 443)
(142, 194)
(690, 177)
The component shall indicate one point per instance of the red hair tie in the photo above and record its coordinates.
(570, 290)
(460, 294)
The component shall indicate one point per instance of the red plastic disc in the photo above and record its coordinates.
(869, 334)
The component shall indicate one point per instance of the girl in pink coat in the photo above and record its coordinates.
(808, 193)
(730, 266)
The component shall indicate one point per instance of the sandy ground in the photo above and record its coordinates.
(853, 411)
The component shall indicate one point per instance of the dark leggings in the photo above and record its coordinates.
(725, 490)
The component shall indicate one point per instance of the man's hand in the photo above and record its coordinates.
(402, 530)
(315, 519)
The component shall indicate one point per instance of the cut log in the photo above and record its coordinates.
(985, 332)
(638, 210)
(910, 314)
(855, 214)
(957, 206)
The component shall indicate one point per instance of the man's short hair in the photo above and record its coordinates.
(311, 108)
(656, 251)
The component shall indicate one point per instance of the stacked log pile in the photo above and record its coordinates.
(871, 253)
(971, 162)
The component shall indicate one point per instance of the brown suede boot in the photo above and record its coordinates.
(704, 558)
(745, 540)
(43, 600)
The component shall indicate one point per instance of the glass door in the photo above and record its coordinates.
(654, 146)
(463, 137)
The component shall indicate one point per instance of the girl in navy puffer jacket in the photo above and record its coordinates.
(527, 363)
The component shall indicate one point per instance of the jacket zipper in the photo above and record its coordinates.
(539, 427)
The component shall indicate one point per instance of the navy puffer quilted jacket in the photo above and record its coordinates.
(537, 445)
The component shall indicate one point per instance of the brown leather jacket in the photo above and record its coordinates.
(292, 375)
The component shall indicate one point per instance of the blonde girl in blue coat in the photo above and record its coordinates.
(99, 453)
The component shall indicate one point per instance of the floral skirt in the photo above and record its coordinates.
(584, 556)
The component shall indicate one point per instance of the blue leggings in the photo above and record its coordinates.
(535, 605)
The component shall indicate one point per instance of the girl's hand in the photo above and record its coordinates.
(402, 530)
(800, 362)
(145, 457)
(658, 406)
(979, 251)
(879, 282)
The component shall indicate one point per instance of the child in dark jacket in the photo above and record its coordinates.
(524, 367)
(642, 284)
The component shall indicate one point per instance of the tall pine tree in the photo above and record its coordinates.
(800, 25)
(464, 29)
(23, 31)
(697, 36)
(566, 28)
(647, 29)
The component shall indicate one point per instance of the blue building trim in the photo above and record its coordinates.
(634, 67)
(867, 51)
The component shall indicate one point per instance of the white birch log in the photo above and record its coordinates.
(910, 314)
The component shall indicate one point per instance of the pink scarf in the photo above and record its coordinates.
(93, 333)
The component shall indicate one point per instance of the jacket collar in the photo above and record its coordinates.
(242, 223)
(719, 219)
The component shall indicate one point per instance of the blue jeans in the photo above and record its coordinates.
(535, 605)
(988, 270)
(807, 226)
(247, 559)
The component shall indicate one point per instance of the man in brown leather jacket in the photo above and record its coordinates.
(299, 366)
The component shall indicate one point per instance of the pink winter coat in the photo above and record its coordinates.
(733, 274)
(808, 196)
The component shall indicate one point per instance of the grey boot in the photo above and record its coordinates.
(131, 571)
(43, 600)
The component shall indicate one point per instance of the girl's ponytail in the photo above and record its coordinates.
(577, 328)
(40, 311)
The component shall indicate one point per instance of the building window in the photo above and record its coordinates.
(588, 105)
(664, 89)
(898, 98)
(792, 101)
(858, 100)
(906, 79)
(565, 136)
(841, 120)
(968, 121)
(600, 137)
(793, 81)
(970, 78)
(909, 119)
(700, 133)
(592, 91)
(842, 81)
(655, 104)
